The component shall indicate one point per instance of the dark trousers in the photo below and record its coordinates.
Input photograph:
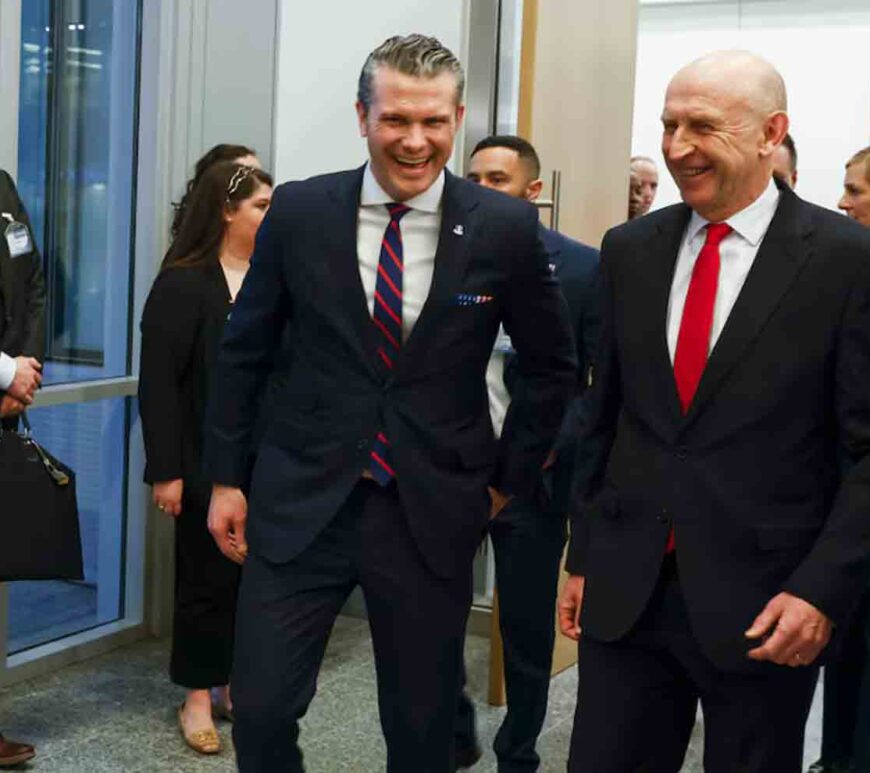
(206, 586)
(846, 718)
(637, 700)
(417, 621)
(527, 541)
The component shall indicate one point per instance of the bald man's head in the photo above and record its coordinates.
(724, 117)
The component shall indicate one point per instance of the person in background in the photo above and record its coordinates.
(22, 343)
(528, 535)
(378, 461)
(240, 154)
(720, 532)
(846, 706)
(785, 162)
(856, 187)
(643, 185)
(182, 323)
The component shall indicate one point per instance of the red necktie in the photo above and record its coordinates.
(693, 342)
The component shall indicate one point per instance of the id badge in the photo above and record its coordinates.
(17, 238)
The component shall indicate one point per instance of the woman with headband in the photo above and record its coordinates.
(181, 329)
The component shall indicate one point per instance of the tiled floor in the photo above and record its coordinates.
(116, 713)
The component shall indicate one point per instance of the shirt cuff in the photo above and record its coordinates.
(7, 371)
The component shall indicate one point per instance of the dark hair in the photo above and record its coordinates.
(222, 186)
(788, 144)
(221, 152)
(417, 55)
(524, 149)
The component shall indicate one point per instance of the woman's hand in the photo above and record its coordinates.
(167, 496)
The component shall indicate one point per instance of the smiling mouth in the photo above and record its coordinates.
(412, 163)
(693, 171)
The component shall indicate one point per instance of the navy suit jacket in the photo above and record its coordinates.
(304, 293)
(575, 265)
(750, 477)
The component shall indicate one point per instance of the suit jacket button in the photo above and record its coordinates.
(362, 445)
(663, 517)
(681, 453)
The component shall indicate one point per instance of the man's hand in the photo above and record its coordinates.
(9, 406)
(167, 496)
(570, 604)
(794, 632)
(498, 500)
(27, 379)
(227, 513)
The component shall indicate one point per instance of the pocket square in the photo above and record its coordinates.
(469, 299)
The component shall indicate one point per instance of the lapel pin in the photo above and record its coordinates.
(458, 230)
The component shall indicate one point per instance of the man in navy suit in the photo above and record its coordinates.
(388, 284)
(528, 535)
(721, 532)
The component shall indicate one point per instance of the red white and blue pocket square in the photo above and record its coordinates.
(469, 299)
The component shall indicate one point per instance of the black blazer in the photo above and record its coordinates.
(22, 286)
(182, 322)
(303, 292)
(750, 477)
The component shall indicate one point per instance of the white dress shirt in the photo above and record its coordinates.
(7, 371)
(737, 253)
(420, 228)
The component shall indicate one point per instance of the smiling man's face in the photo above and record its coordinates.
(716, 145)
(410, 128)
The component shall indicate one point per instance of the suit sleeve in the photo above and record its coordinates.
(34, 337)
(247, 354)
(170, 322)
(603, 401)
(836, 572)
(536, 318)
(586, 331)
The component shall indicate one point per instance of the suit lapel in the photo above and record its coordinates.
(458, 222)
(343, 263)
(783, 251)
(657, 289)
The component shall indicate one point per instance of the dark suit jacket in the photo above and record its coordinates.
(576, 267)
(750, 476)
(182, 323)
(22, 286)
(304, 289)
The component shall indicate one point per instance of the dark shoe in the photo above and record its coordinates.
(14, 753)
(466, 758)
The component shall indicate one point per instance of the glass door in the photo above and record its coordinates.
(77, 134)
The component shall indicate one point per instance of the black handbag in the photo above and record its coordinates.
(40, 537)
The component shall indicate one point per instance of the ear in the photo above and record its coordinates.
(775, 129)
(460, 114)
(361, 117)
(534, 188)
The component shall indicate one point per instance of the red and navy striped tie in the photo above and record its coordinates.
(387, 317)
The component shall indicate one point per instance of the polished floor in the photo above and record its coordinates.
(116, 713)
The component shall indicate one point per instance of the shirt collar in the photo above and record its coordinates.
(373, 195)
(751, 223)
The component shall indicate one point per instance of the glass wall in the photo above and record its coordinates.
(77, 121)
(77, 157)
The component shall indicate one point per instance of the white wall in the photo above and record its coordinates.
(321, 48)
(819, 46)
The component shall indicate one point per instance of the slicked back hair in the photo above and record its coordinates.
(523, 148)
(861, 157)
(416, 55)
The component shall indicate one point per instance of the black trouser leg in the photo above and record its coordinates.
(418, 629)
(284, 618)
(528, 543)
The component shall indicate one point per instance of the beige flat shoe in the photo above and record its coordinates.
(203, 741)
